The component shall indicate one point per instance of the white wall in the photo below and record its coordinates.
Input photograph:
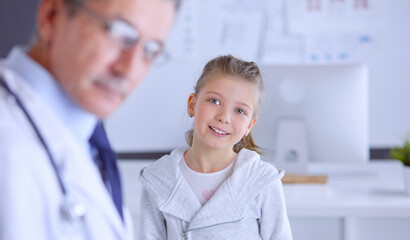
(154, 118)
(389, 70)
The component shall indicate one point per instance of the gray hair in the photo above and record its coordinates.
(73, 4)
(72, 8)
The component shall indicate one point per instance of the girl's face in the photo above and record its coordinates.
(223, 112)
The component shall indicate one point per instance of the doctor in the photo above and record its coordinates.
(58, 175)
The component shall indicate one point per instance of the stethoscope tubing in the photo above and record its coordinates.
(37, 131)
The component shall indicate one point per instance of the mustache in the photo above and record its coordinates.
(117, 84)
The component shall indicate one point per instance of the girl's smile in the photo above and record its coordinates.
(223, 112)
(218, 132)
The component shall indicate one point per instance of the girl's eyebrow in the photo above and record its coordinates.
(244, 105)
(211, 92)
(239, 103)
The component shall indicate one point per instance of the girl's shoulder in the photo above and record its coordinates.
(250, 161)
(161, 176)
(167, 164)
(252, 176)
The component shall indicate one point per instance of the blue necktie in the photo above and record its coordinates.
(107, 163)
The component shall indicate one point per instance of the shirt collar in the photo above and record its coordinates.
(79, 121)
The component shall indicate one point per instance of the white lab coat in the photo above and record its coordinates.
(30, 197)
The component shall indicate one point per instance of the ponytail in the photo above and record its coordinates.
(189, 136)
(248, 143)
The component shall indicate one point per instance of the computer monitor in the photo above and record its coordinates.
(314, 114)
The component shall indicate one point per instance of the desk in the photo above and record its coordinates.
(359, 201)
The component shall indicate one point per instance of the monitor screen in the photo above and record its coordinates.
(314, 114)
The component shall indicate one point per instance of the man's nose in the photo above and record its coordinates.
(129, 61)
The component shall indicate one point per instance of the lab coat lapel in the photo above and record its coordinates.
(85, 177)
(76, 172)
(101, 198)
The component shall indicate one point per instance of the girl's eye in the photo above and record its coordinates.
(215, 101)
(240, 111)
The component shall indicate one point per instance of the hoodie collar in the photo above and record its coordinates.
(249, 178)
(221, 208)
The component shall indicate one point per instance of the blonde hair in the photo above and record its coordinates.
(239, 69)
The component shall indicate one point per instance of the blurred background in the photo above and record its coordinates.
(372, 33)
(337, 76)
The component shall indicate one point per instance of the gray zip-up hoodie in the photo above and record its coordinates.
(248, 205)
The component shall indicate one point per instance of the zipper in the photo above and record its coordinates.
(184, 233)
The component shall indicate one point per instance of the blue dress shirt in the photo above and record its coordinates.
(80, 122)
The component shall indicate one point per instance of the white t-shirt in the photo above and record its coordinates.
(204, 185)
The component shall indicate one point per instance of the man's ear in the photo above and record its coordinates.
(191, 105)
(48, 13)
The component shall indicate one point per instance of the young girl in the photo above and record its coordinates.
(218, 188)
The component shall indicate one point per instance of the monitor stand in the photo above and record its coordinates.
(291, 146)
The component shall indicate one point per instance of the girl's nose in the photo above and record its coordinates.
(223, 116)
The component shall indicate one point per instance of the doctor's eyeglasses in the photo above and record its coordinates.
(126, 35)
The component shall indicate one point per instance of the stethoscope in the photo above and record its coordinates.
(72, 213)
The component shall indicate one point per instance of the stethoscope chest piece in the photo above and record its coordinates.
(72, 214)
